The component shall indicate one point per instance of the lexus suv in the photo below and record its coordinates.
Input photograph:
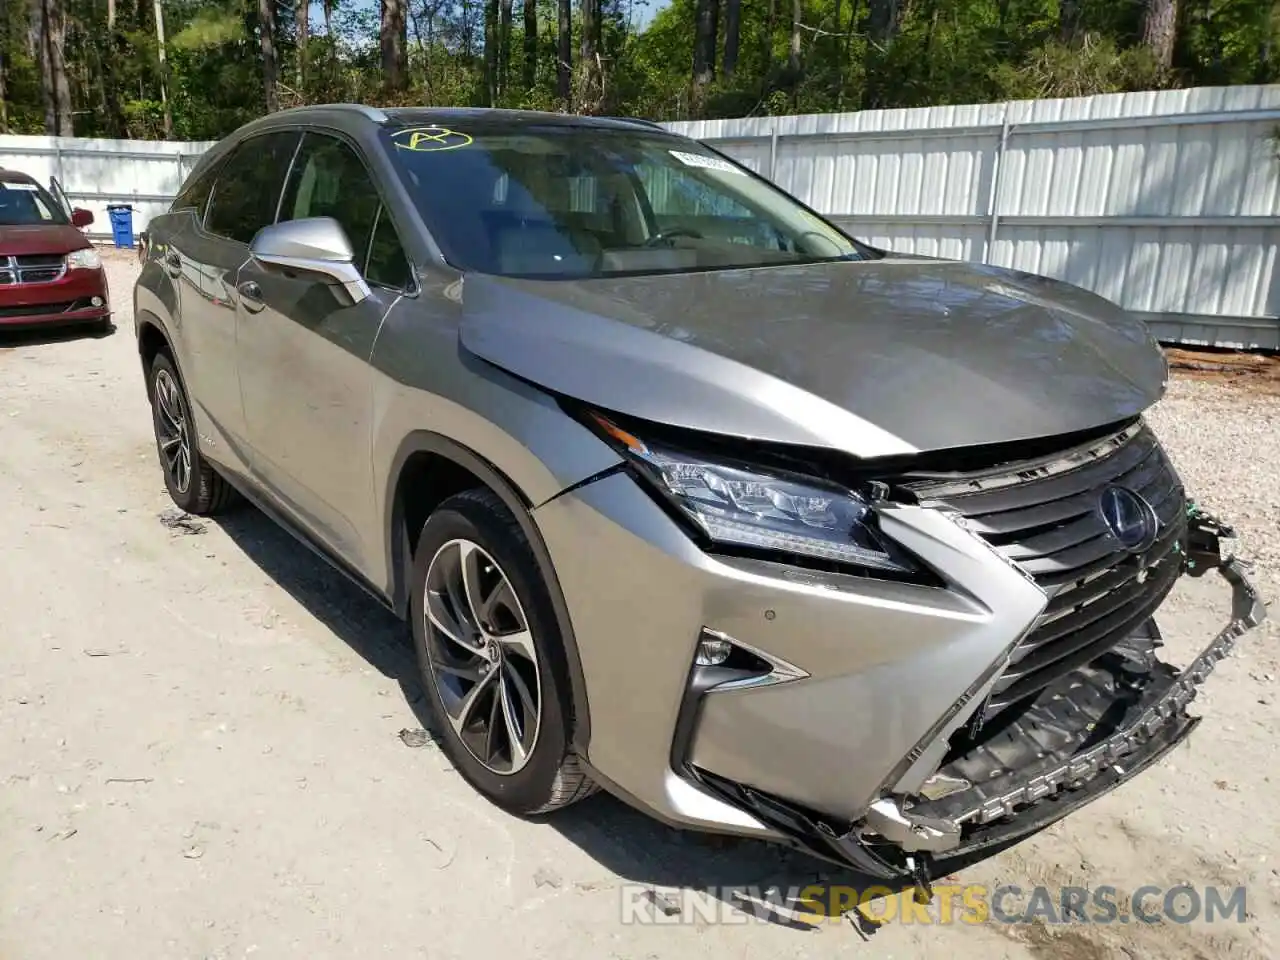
(684, 492)
(50, 275)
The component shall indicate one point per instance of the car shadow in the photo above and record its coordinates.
(41, 336)
(762, 880)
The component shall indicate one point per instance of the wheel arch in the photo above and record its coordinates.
(152, 338)
(432, 467)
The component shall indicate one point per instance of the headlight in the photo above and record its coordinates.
(738, 505)
(86, 259)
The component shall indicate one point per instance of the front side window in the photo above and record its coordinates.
(23, 203)
(248, 186)
(565, 201)
(330, 180)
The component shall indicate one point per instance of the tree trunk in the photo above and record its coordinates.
(48, 26)
(491, 51)
(328, 18)
(164, 72)
(267, 44)
(564, 52)
(1069, 19)
(883, 20)
(530, 44)
(4, 72)
(704, 48)
(302, 16)
(884, 17)
(592, 94)
(793, 58)
(1160, 30)
(393, 42)
(770, 25)
(732, 30)
(504, 45)
(110, 85)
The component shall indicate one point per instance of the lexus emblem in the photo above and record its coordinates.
(1128, 518)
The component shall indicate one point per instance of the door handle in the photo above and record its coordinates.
(251, 296)
(173, 263)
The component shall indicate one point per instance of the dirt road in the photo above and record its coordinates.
(199, 752)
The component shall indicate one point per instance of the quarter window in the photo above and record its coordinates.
(195, 194)
(248, 186)
(330, 180)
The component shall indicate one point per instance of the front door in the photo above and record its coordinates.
(208, 255)
(55, 188)
(303, 354)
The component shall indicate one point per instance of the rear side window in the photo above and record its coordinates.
(330, 180)
(195, 193)
(247, 189)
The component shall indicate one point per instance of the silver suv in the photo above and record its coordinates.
(683, 491)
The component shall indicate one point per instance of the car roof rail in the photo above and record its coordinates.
(376, 114)
(647, 123)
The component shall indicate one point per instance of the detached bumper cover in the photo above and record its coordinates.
(1156, 725)
(896, 839)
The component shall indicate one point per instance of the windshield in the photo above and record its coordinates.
(27, 204)
(573, 201)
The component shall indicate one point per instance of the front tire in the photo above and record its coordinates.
(492, 658)
(192, 482)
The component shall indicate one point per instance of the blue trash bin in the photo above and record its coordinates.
(121, 215)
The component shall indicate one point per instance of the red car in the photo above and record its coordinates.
(49, 272)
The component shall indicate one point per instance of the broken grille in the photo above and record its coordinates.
(1044, 516)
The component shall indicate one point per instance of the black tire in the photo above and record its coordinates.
(552, 777)
(204, 492)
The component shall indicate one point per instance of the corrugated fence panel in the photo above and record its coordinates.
(95, 173)
(1167, 202)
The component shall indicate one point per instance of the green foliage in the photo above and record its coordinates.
(936, 52)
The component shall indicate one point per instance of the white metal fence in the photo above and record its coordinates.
(95, 173)
(1167, 203)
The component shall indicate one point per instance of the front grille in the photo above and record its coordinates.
(1044, 516)
(31, 268)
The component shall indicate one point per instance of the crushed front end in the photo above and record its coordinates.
(873, 717)
(1080, 702)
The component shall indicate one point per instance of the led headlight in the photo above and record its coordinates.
(86, 259)
(738, 505)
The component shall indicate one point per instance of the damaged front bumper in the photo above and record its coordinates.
(1112, 719)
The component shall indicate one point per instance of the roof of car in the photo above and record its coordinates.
(15, 176)
(408, 116)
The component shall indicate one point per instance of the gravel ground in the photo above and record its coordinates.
(199, 751)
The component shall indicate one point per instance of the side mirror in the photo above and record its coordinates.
(81, 217)
(316, 245)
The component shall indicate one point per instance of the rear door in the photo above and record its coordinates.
(303, 354)
(243, 200)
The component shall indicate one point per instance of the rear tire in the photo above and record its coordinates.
(192, 482)
(496, 679)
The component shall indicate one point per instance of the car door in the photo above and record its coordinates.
(208, 255)
(55, 189)
(303, 352)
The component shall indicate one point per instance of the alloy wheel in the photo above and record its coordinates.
(172, 431)
(482, 657)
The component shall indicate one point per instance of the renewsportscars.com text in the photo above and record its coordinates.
(952, 903)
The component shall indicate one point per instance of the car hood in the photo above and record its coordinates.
(876, 358)
(40, 238)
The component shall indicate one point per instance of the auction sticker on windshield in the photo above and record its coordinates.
(430, 139)
(707, 163)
